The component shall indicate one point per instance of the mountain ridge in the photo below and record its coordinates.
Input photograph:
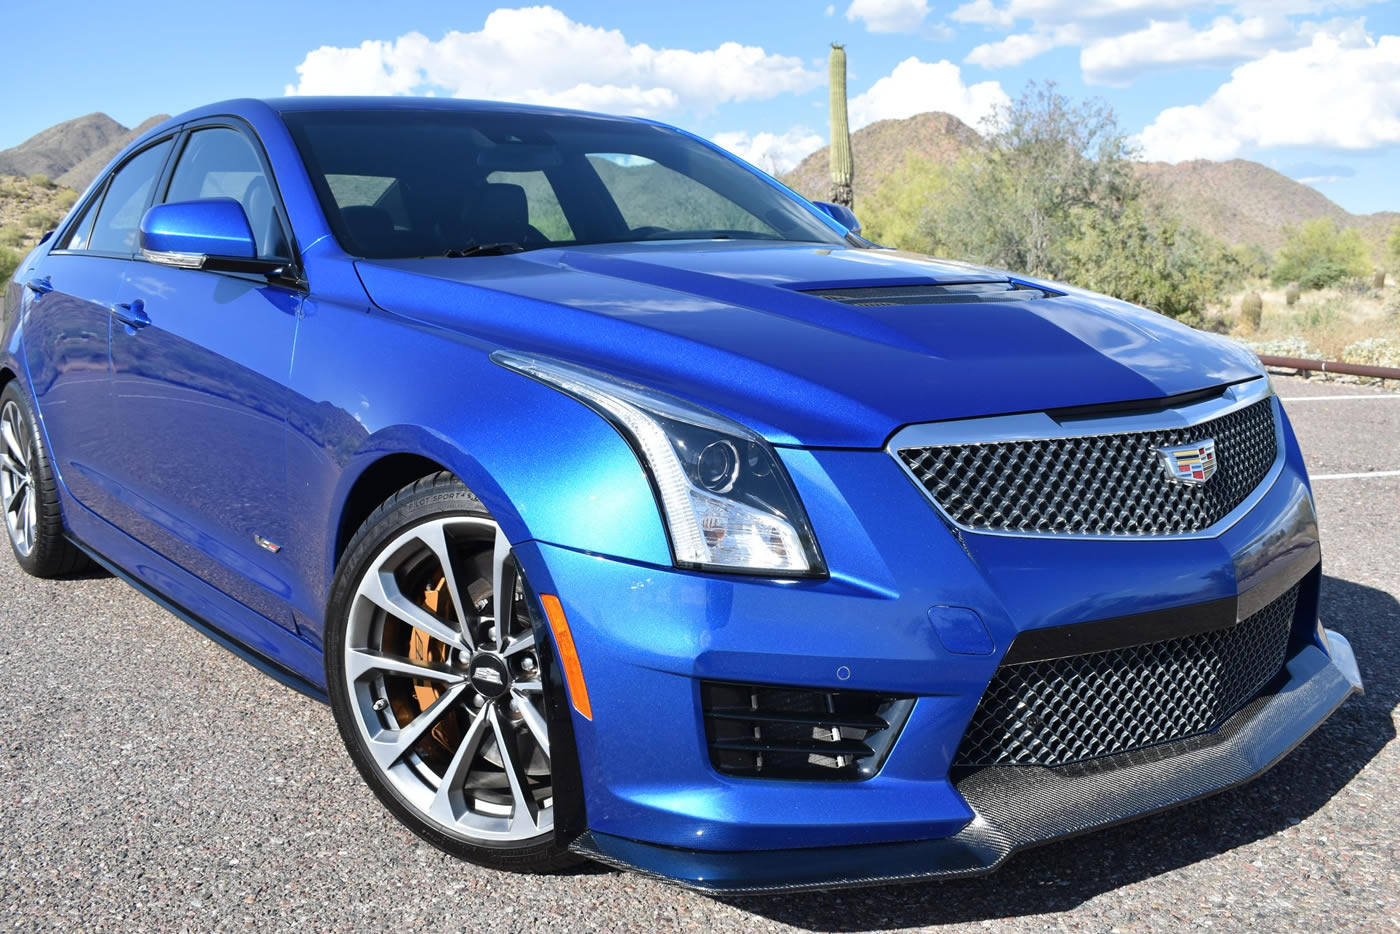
(71, 153)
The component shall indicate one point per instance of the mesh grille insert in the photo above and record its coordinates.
(1065, 710)
(1099, 484)
(760, 731)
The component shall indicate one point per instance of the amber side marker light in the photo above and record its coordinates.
(568, 655)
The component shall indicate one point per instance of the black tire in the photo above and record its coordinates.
(50, 554)
(439, 496)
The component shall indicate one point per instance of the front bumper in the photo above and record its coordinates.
(1017, 808)
(648, 636)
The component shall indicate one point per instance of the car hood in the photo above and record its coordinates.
(727, 324)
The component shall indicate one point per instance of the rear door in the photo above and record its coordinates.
(66, 334)
(199, 394)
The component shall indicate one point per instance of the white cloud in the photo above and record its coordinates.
(1062, 12)
(1332, 93)
(916, 87)
(888, 15)
(1227, 41)
(830, 9)
(773, 153)
(1013, 50)
(539, 55)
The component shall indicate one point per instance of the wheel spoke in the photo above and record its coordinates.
(525, 807)
(390, 745)
(523, 641)
(10, 430)
(380, 588)
(359, 662)
(435, 537)
(458, 768)
(502, 589)
(534, 722)
(528, 687)
(14, 501)
(10, 466)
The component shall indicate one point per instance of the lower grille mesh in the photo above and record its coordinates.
(1065, 710)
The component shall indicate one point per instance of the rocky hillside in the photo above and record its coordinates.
(880, 150)
(1238, 201)
(73, 152)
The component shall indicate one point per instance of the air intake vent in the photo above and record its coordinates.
(759, 731)
(1000, 290)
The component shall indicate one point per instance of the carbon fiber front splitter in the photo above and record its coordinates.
(1021, 807)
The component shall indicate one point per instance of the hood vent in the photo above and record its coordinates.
(1001, 290)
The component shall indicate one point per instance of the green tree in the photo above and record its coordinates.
(1319, 254)
(894, 215)
(1056, 195)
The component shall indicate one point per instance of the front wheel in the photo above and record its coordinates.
(29, 493)
(435, 679)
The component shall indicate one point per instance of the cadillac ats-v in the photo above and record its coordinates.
(626, 506)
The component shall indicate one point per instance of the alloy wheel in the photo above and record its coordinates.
(444, 681)
(17, 493)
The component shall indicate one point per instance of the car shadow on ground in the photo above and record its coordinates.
(1059, 877)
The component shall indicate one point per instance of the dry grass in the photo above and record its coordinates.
(1329, 324)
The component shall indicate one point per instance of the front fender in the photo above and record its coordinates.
(547, 467)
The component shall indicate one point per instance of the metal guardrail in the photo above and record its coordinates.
(1338, 367)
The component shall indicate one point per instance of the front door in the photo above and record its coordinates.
(199, 396)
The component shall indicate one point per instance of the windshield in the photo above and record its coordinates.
(407, 183)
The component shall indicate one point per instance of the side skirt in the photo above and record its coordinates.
(267, 666)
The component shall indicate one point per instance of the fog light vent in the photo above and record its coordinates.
(761, 731)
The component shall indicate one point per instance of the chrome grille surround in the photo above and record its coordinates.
(1043, 474)
(1058, 711)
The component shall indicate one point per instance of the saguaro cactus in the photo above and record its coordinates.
(842, 169)
(1292, 293)
(1378, 280)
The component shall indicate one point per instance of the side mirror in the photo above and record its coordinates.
(212, 233)
(841, 214)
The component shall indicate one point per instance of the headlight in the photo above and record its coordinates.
(727, 501)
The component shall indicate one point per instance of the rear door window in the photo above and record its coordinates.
(128, 193)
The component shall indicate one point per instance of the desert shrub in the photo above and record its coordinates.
(1055, 194)
(1320, 254)
(1393, 247)
(1285, 347)
(894, 214)
(1252, 260)
(1292, 293)
(1252, 310)
(12, 236)
(40, 181)
(9, 262)
(65, 198)
(1373, 351)
(40, 219)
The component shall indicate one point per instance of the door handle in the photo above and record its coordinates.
(131, 314)
(39, 286)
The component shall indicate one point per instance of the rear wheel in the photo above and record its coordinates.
(29, 493)
(436, 682)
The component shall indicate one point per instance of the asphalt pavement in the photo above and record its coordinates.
(151, 781)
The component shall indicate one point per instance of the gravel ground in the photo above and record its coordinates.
(153, 782)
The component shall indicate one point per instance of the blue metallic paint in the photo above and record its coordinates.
(277, 400)
(209, 227)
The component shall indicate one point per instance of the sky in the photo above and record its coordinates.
(1308, 87)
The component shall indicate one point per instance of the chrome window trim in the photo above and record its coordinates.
(1040, 426)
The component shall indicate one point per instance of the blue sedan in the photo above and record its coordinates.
(624, 505)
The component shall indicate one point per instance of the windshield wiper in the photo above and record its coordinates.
(485, 249)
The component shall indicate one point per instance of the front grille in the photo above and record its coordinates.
(1110, 484)
(1067, 710)
(759, 731)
